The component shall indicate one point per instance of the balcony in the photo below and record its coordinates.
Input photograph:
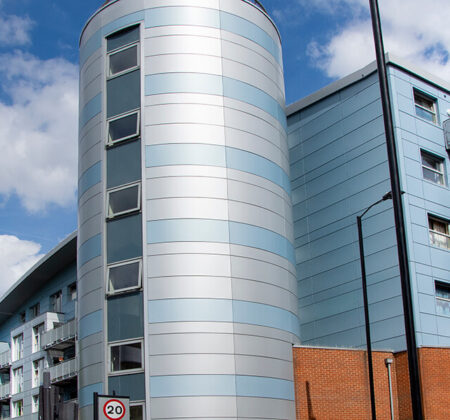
(60, 338)
(63, 372)
(5, 360)
(5, 392)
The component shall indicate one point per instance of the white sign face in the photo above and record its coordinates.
(113, 408)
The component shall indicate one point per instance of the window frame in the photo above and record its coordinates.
(35, 310)
(125, 371)
(14, 409)
(437, 159)
(125, 289)
(136, 134)
(71, 289)
(35, 403)
(53, 297)
(444, 234)
(17, 352)
(110, 216)
(17, 385)
(118, 50)
(136, 404)
(36, 380)
(426, 97)
(443, 285)
(36, 338)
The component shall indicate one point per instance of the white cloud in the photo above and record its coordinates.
(38, 130)
(15, 30)
(16, 257)
(416, 30)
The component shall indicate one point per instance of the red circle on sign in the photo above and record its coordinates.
(114, 418)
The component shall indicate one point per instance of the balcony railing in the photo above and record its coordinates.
(63, 371)
(60, 337)
(5, 359)
(5, 391)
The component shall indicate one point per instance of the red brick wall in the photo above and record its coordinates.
(333, 384)
(435, 376)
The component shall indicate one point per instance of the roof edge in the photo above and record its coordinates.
(361, 74)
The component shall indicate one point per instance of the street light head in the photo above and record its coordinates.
(387, 196)
(388, 361)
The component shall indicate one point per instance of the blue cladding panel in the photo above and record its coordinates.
(192, 385)
(206, 230)
(186, 230)
(91, 109)
(91, 324)
(192, 16)
(180, 310)
(185, 154)
(255, 386)
(213, 155)
(221, 310)
(86, 394)
(223, 385)
(89, 178)
(130, 385)
(183, 83)
(90, 249)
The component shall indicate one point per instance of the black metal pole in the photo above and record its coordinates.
(366, 317)
(410, 331)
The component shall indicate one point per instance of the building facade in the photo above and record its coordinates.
(186, 268)
(216, 260)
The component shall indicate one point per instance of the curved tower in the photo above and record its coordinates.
(187, 285)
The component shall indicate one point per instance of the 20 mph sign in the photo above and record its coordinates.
(111, 407)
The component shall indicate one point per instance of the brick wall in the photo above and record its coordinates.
(333, 384)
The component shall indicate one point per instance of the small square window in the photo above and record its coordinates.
(438, 229)
(123, 128)
(433, 168)
(126, 59)
(442, 298)
(425, 106)
(126, 357)
(137, 412)
(124, 276)
(124, 200)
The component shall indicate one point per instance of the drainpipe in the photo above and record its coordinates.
(391, 400)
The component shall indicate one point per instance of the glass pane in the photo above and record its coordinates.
(123, 164)
(124, 276)
(122, 37)
(123, 127)
(123, 93)
(433, 176)
(424, 102)
(431, 162)
(439, 240)
(425, 114)
(443, 292)
(123, 60)
(136, 412)
(125, 317)
(124, 200)
(124, 238)
(443, 307)
(126, 357)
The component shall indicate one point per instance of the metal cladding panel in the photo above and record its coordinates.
(218, 256)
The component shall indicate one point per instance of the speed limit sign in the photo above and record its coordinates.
(111, 407)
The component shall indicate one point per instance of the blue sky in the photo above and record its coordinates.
(322, 40)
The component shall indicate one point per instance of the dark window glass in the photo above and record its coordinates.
(443, 299)
(124, 276)
(123, 164)
(123, 93)
(132, 385)
(123, 60)
(125, 317)
(124, 238)
(123, 200)
(123, 128)
(126, 357)
(121, 38)
(425, 106)
(136, 412)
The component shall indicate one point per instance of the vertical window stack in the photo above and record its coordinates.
(123, 215)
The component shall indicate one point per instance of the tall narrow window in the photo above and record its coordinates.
(17, 347)
(18, 380)
(56, 302)
(72, 289)
(35, 310)
(433, 168)
(439, 232)
(17, 410)
(425, 106)
(37, 331)
(442, 298)
(35, 404)
(38, 367)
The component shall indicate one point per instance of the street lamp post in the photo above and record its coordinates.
(385, 197)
